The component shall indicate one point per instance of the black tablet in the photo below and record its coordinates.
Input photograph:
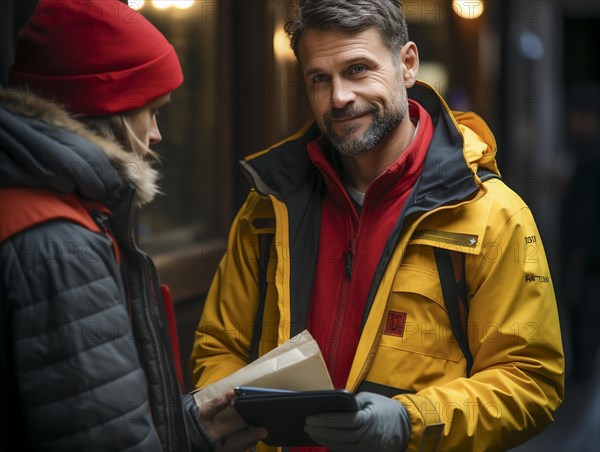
(282, 412)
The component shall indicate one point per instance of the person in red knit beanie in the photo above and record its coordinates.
(85, 354)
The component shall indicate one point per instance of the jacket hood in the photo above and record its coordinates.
(42, 146)
(479, 147)
(478, 142)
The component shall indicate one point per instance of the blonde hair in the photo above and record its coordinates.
(118, 129)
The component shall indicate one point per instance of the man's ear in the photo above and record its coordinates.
(409, 61)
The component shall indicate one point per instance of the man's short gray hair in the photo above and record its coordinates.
(386, 16)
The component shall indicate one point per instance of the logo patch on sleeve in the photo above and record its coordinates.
(394, 326)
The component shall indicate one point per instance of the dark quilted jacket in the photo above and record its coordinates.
(84, 358)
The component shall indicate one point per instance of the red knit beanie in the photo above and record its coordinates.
(94, 57)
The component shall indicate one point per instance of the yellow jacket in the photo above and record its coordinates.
(517, 378)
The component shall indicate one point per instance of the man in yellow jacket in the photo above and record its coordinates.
(355, 215)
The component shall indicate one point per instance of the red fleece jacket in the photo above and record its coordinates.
(351, 245)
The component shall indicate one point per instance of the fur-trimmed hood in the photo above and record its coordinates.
(42, 146)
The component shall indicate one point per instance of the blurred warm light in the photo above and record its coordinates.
(468, 9)
(179, 4)
(183, 4)
(162, 4)
(136, 4)
(281, 46)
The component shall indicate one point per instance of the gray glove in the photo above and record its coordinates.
(381, 425)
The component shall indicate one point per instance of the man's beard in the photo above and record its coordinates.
(381, 126)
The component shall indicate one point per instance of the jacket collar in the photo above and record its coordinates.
(461, 144)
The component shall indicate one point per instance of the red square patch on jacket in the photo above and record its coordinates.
(394, 326)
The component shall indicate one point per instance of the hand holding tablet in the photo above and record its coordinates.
(283, 412)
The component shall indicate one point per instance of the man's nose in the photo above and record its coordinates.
(342, 94)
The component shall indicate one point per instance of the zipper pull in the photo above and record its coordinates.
(349, 265)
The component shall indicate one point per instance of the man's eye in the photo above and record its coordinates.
(358, 69)
(320, 78)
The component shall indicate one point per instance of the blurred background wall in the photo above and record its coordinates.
(525, 66)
